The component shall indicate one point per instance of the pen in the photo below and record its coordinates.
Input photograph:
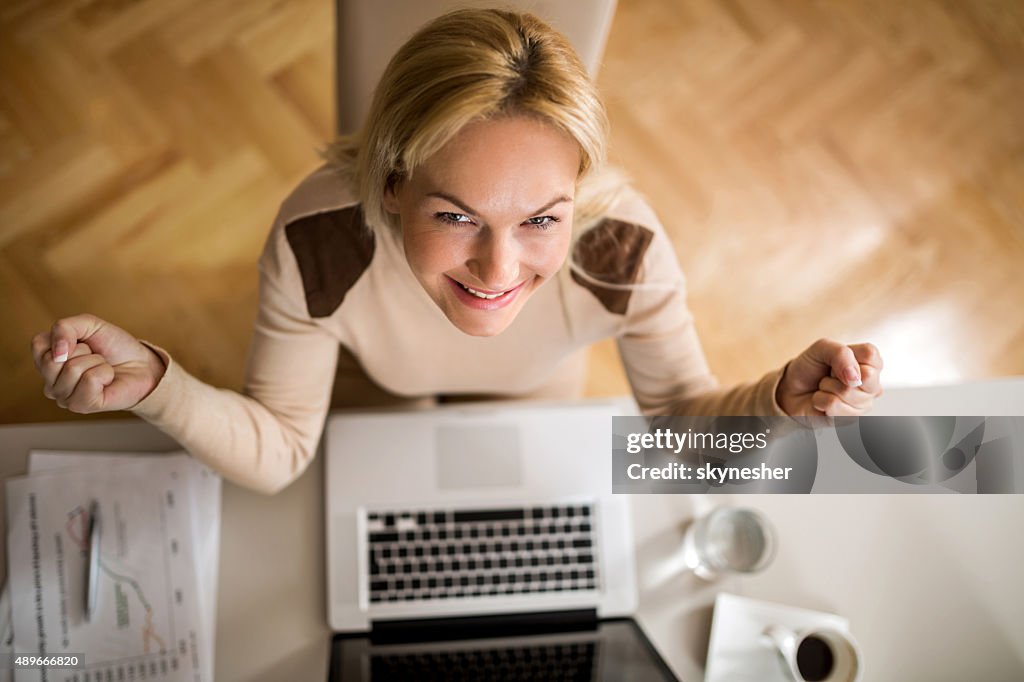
(92, 564)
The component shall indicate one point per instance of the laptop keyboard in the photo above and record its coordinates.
(417, 554)
(569, 661)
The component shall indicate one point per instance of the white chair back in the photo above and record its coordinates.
(371, 31)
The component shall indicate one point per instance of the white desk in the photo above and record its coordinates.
(931, 583)
(271, 604)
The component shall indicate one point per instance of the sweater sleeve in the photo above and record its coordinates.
(662, 354)
(264, 437)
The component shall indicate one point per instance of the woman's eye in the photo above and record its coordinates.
(543, 221)
(453, 218)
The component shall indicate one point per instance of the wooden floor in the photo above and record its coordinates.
(844, 169)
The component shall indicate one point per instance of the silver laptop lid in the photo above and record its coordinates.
(531, 481)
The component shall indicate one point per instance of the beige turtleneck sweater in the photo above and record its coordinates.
(326, 280)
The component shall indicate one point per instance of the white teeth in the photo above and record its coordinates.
(482, 295)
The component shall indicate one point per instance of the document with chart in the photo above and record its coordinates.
(205, 505)
(148, 623)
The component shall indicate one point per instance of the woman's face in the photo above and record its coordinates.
(487, 219)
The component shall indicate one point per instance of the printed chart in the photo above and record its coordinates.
(147, 622)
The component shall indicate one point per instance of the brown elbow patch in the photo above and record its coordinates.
(612, 251)
(333, 249)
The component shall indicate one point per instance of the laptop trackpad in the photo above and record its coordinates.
(477, 456)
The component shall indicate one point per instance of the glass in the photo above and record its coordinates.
(729, 540)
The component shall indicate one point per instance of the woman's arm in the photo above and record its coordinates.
(262, 438)
(667, 369)
(265, 437)
(669, 374)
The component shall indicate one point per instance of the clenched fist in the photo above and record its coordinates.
(831, 379)
(89, 365)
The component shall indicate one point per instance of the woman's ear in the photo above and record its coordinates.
(390, 198)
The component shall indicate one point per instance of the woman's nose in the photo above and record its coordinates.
(495, 262)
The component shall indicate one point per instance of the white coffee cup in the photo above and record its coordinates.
(816, 654)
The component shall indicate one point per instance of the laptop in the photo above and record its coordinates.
(481, 541)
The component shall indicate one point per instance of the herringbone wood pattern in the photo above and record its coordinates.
(848, 169)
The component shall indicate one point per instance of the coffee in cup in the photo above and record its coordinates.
(816, 654)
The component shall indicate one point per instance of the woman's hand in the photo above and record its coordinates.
(831, 379)
(89, 365)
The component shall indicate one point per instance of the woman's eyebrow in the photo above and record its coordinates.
(448, 197)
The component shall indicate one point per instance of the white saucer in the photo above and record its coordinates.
(737, 652)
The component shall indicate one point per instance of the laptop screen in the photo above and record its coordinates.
(603, 650)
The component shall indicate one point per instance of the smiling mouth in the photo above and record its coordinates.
(487, 296)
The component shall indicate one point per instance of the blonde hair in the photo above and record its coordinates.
(468, 65)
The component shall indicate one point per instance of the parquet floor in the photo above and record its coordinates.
(844, 169)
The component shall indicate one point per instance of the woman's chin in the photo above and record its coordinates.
(480, 322)
(478, 325)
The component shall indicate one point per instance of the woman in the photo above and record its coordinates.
(469, 241)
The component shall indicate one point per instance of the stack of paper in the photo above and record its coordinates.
(160, 540)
